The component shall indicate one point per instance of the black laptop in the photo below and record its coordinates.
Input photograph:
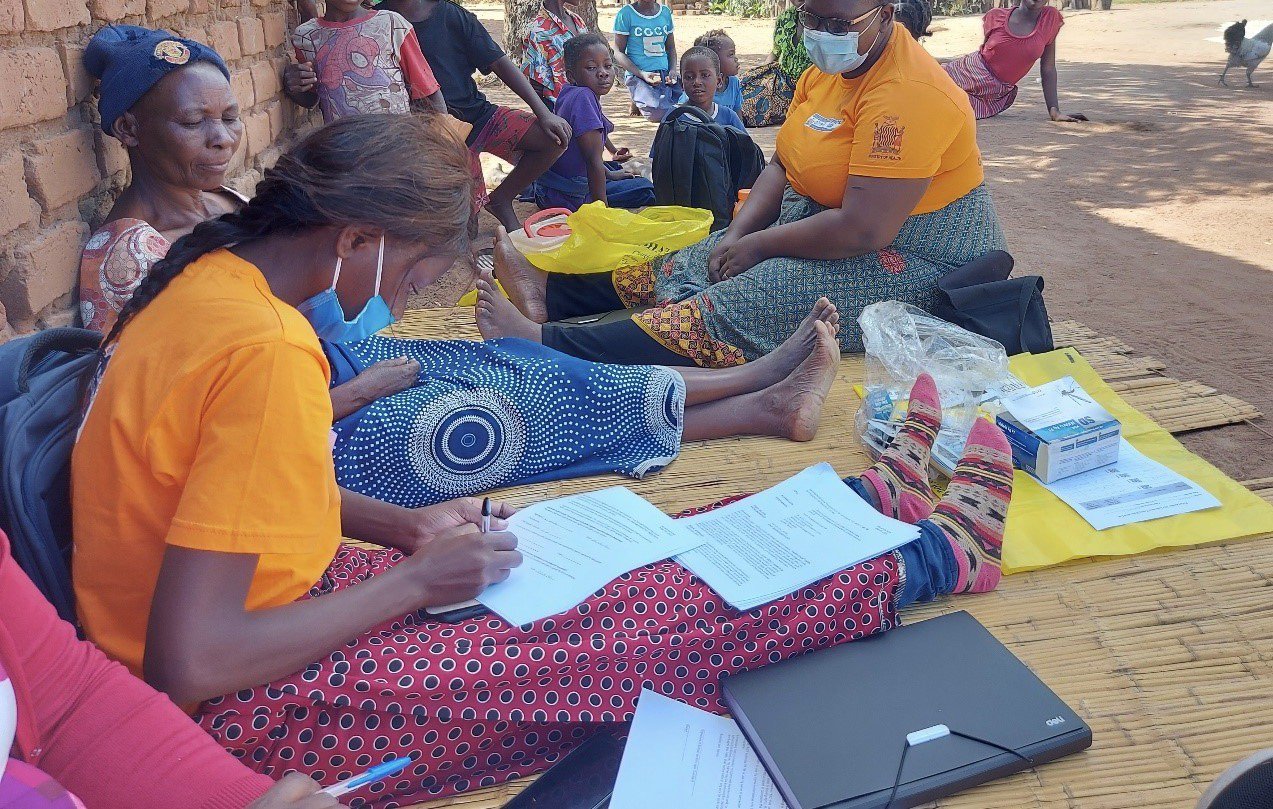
(832, 727)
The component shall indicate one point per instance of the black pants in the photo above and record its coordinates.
(620, 342)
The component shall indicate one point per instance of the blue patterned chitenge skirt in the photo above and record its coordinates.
(497, 413)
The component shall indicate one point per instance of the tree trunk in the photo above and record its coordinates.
(518, 15)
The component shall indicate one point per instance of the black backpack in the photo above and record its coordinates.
(42, 382)
(700, 164)
(980, 297)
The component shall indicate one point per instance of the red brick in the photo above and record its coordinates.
(62, 168)
(79, 84)
(241, 86)
(16, 205)
(112, 157)
(33, 87)
(188, 28)
(224, 39)
(157, 9)
(275, 28)
(266, 83)
(116, 10)
(200, 6)
(261, 3)
(50, 15)
(44, 269)
(256, 130)
(274, 109)
(251, 36)
(12, 17)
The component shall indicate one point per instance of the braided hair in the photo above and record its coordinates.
(406, 173)
(915, 15)
(576, 47)
(711, 39)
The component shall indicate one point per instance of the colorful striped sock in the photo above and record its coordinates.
(975, 506)
(900, 476)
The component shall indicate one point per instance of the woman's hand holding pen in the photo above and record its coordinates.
(461, 563)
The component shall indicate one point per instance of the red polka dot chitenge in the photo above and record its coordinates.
(482, 702)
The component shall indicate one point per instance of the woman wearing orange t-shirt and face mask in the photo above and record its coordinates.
(875, 191)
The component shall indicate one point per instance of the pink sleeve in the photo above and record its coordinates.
(991, 21)
(104, 735)
(416, 68)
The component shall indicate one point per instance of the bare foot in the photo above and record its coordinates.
(498, 317)
(526, 284)
(778, 364)
(794, 406)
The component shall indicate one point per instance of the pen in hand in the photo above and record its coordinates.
(371, 776)
(486, 515)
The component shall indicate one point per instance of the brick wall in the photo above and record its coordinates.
(59, 175)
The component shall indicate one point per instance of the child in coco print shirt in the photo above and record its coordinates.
(644, 46)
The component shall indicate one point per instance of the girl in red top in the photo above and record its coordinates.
(1016, 38)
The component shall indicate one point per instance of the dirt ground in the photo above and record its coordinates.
(1153, 223)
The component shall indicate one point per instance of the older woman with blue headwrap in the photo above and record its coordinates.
(168, 101)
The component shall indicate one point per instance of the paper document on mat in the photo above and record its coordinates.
(784, 538)
(1134, 489)
(575, 545)
(679, 756)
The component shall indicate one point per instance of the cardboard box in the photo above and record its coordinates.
(1057, 430)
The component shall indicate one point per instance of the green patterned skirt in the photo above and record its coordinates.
(753, 312)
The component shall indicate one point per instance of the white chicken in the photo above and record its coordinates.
(1246, 52)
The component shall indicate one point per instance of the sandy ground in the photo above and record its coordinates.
(1152, 223)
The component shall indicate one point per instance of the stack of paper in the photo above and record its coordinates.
(679, 756)
(1134, 489)
(575, 545)
(787, 537)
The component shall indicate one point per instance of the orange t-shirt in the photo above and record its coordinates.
(904, 118)
(209, 430)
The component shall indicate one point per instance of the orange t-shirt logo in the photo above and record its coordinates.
(887, 142)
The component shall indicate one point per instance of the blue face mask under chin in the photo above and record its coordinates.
(325, 314)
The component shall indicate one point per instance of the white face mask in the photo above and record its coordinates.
(836, 53)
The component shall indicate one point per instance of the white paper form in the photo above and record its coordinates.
(784, 538)
(1134, 489)
(574, 545)
(678, 756)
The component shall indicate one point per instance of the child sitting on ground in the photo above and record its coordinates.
(457, 44)
(701, 76)
(354, 61)
(581, 174)
(731, 92)
(644, 47)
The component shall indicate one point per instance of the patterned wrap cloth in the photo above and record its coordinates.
(747, 316)
(769, 88)
(544, 45)
(497, 413)
(988, 95)
(481, 702)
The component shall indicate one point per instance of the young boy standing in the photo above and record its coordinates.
(456, 44)
(353, 61)
(645, 48)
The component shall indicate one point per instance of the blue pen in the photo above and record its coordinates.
(376, 773)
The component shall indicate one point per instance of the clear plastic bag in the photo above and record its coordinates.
(903, 341)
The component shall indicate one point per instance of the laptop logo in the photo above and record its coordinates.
(1056, 720)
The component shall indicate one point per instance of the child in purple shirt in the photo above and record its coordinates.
(581, 174)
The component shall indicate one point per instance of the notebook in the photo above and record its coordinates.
(831, 727)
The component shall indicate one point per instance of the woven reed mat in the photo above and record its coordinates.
(1168, 655)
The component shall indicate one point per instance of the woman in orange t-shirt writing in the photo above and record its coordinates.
(875, 191)
(1016, 38)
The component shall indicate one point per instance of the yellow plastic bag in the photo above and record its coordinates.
(1043, 531)
(604, 239)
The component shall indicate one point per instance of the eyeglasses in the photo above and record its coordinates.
(831, 25)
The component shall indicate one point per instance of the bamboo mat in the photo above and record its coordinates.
(1167, 655)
